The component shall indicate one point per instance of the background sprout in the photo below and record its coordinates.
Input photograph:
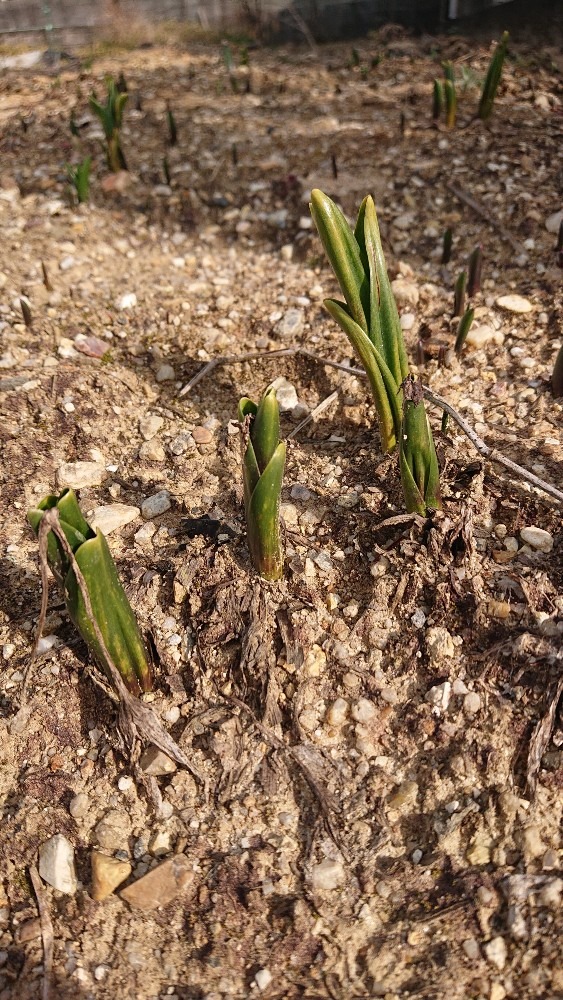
(492, 79)
(111, 118)
(370, 320)
(79, 177)
(474, 272)
(437, 100)
(459, 294)
(463, 329)
(451, 102)
(110, 606)
(172, 127)
(557, 377)
(263, 465)
(447, 246)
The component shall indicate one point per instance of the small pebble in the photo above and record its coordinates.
(155, 505)
(150, 425)
(152, 451)
(337, 713)
(364, 710)
(291, 324)
(156, 762)
(471, 703)
(328, 875)
(79, 805)
(202, 435)
(165, 373)
(126, 301)
(80, 474)
(439, 696)
(538, 538)
(56, 864)
(496, 952)
(514, 303)
(112, 517)
(263, 978)
(299, 492)
(471, 949)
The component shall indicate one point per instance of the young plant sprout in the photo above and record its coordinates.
(437, 100)
(451, 102)
(172, 128)
(492, 79)
(557, 377)
(447, 246)
(112, 611)
(459, 294)
(79, 177)
(26, 312)
(463, 329)
(370, 320)
(111, 118)
(474, 269)
(263, 465)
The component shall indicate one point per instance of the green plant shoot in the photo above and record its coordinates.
(459, 293)
(79, 177)
(463, 329)
(474, 270)
(492, 79)
(437, 100)
(110, 606)
(111, 118)
(557, 377)
(263, 465)
(451, 103)
(370, 320)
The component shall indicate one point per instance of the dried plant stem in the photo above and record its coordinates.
(484, 213)
(46, 925)
(484, 449)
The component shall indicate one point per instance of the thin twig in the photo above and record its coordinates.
(47, 936)
(541, 737)
(485, 214)
(484, 449)
(136, 720)
(323, 405)
(229, 359)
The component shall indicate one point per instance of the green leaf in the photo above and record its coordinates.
(265, 428)
(263, 518)
(389, 323)
(343, 253)
(492, 79)
(112, 612)
(386, 392)
(418, 461)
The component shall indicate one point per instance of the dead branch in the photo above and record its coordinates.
(485, 214)
(47, 936)
(484, 449)
(541, 737)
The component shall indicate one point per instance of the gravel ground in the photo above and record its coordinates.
(365, 826)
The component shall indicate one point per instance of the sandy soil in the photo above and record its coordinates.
(363, 727)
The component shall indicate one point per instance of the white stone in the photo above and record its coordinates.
(553, 222)
(291, 324)
(538, 538)
(112, 517)
(79, 474)
(364, 710)
(126, 301)
(337, 713)
(404, 221)
(496, 953)
(514, 303)
(328, 874)
(79, 805)
(155, 505)
(286, 394)
(56, 864)
(440, 695)
(144, 534)
(405, 292)
(152, 451)
(165, 373)
(407, 321)
(471, 703)
(439, 644)
(478, 336)
(150, 425)
(263, 978)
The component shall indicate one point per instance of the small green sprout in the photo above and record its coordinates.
(263, 465)
(112, 611)
(557, 377)
(451, 103)
(370, 320)
(449, 72)
(79, 177)
(166, 171)
(437, 100)
(172, 127)
(463, 329)
(474, 269)
(492, 79)
(459, 294)
(111, 118)
(447, 246)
